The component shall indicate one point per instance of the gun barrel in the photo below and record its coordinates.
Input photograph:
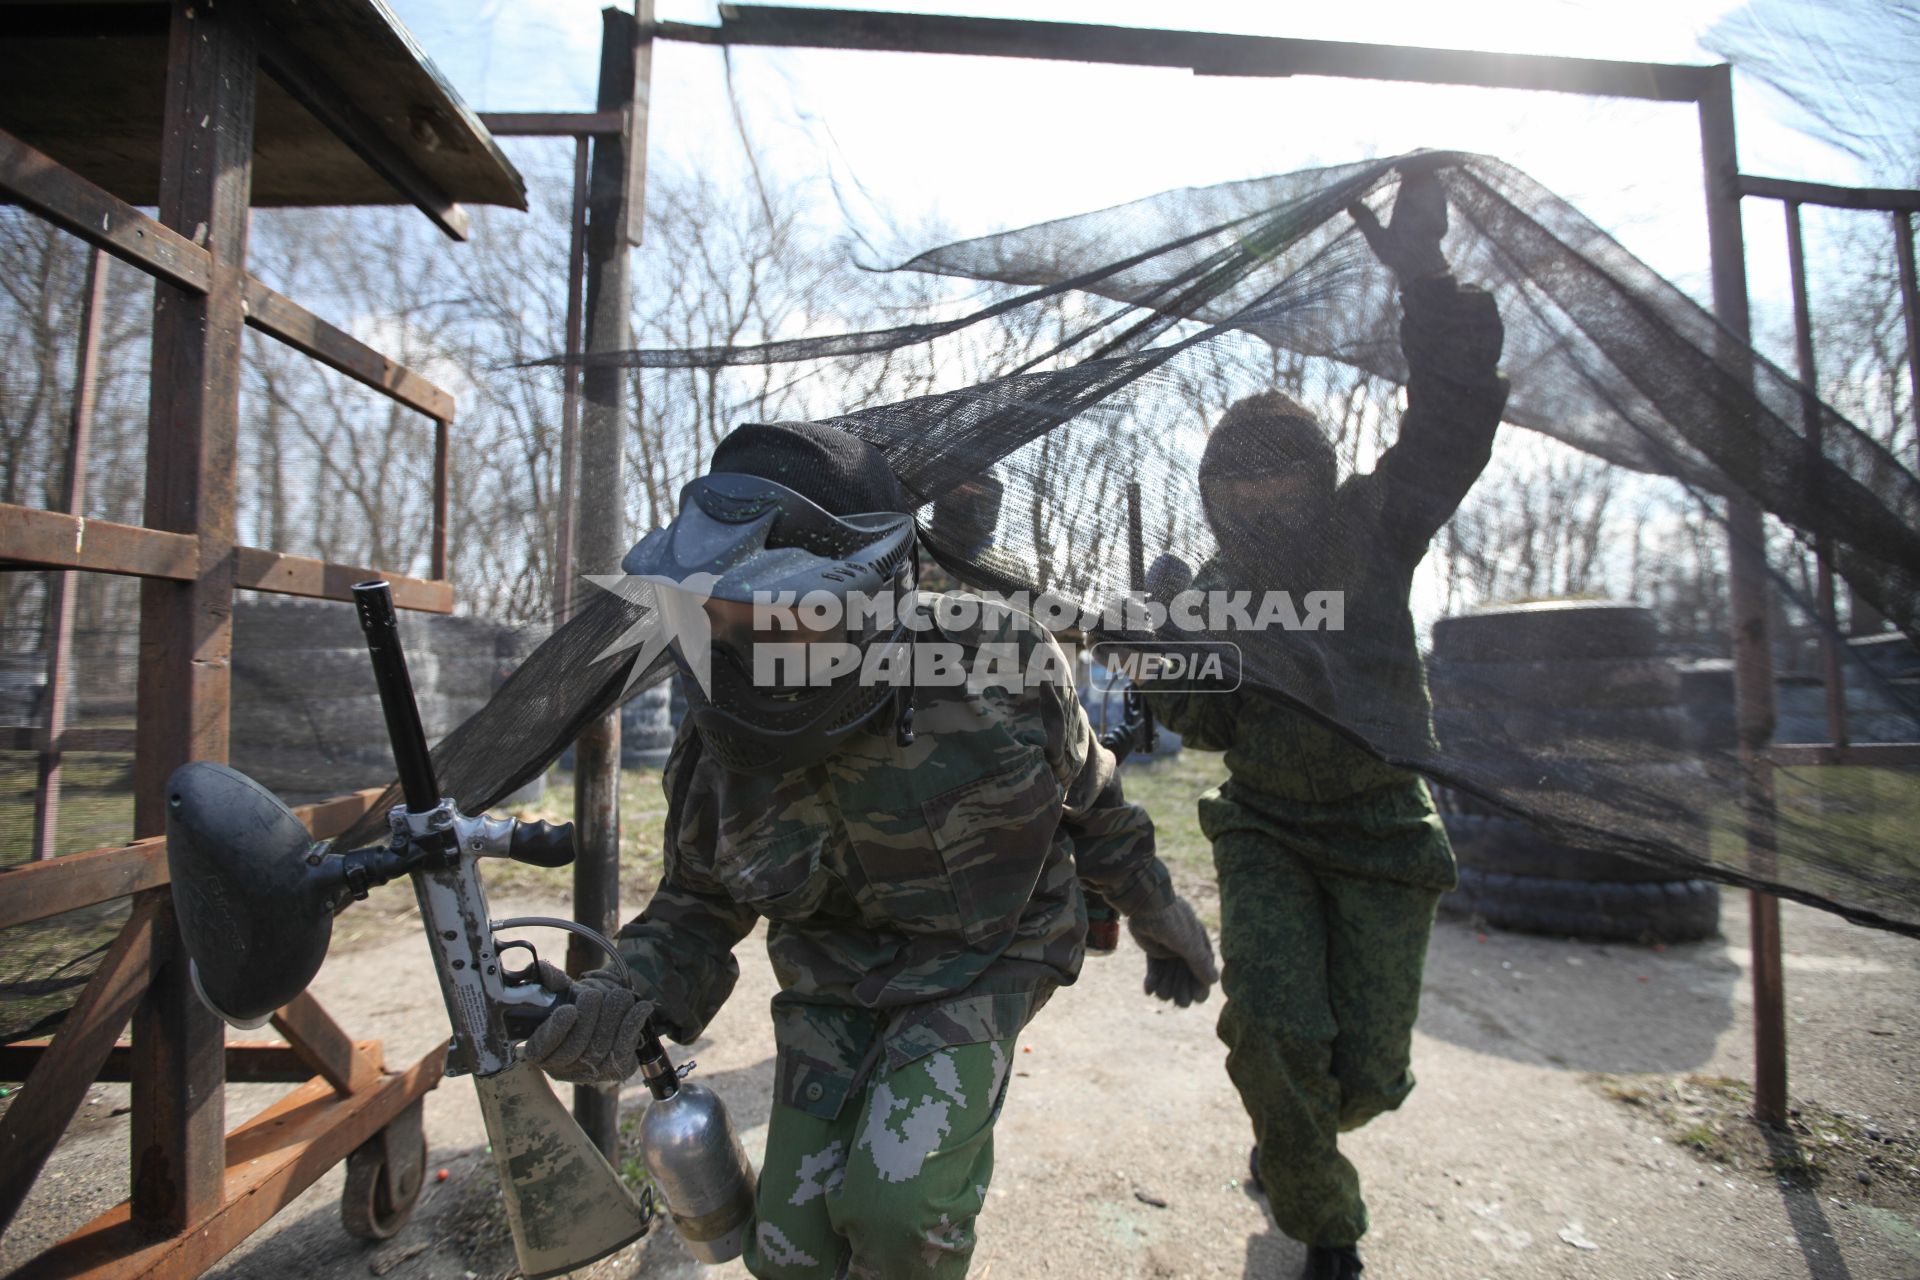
(374, 602)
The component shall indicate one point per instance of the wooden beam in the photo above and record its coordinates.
(102, 219)
(269, 1160)
(1886, 199)
(289, 575)
(176, 1130)
(34, 891)
(248, 1061)
(55, 540)
(324, 1047)
(276, 314)
(552, 124)
(334, 108)
(41, 889)
(59, 1081)
(1203, 52)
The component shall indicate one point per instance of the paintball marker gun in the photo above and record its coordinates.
(256, 898)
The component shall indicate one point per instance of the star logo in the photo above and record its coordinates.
(673, 613)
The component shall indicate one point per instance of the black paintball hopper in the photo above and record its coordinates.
(255, 916)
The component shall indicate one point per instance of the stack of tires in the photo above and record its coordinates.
(1568, 680)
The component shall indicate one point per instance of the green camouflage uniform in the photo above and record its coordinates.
(1331, 862)
(923, 903)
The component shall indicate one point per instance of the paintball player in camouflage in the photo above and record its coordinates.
(1331, 863)
(917, 862)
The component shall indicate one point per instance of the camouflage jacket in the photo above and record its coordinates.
(1367, 676)
(916, 896)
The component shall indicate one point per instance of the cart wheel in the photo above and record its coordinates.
(370, 1207)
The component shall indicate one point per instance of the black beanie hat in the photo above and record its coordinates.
(1265, 433)
(834, 469)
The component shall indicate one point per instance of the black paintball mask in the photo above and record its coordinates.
(800, 574)
(1267, 478)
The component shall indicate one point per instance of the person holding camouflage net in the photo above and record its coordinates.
(1331, 863)
(917, 861)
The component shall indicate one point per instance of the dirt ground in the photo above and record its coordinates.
(1578, 1115)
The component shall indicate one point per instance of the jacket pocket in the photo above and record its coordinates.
(781, 878)
(994, 835)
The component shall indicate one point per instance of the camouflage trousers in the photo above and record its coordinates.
(889, 1189)
(1321, 972)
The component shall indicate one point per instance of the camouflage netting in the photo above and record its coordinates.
(1218, 288)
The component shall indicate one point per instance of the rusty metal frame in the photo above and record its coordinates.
(1899, 204)
(1708, 88)
(197, 1191)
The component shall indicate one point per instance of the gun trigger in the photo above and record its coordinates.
(529, 974)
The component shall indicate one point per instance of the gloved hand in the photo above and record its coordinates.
(1180, 964)
(595, 1037)
(1409, 245)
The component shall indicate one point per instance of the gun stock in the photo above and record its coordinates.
(566, 1205)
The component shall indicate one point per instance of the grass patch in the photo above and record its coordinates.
(1168, 788)
(1820, 1149)
(96, 802)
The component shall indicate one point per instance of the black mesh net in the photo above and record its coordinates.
(1569, 716)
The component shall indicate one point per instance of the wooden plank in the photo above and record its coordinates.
(59, 1081)
(34, 891)
(328, 1050)
(270, 1160)
(1885, 199)
(1880, 755)
(248, 1061)
(56, 540)
(336, 109)
(275, 313)
(1206, 53)
(552, 124)
(100, 218)
(288, 575)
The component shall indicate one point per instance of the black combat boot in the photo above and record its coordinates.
(1332, 1262)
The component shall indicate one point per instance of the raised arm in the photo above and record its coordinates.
(1451, 335)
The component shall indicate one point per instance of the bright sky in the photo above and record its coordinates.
(989, 144)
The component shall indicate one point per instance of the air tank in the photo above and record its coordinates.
(696, 1160)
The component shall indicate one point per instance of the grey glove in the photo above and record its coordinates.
(1180, 964)
(1410, 244)
(593, 1037)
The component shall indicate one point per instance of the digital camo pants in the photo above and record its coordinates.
(889, 1189)
(1322, 966)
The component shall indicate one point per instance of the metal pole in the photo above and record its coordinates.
(1833, 679)
(570, 392)
(60, 586)
(1747, 592)
(1910, 306)
(600, 538)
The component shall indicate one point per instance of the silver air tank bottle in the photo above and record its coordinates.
(696, 1159)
